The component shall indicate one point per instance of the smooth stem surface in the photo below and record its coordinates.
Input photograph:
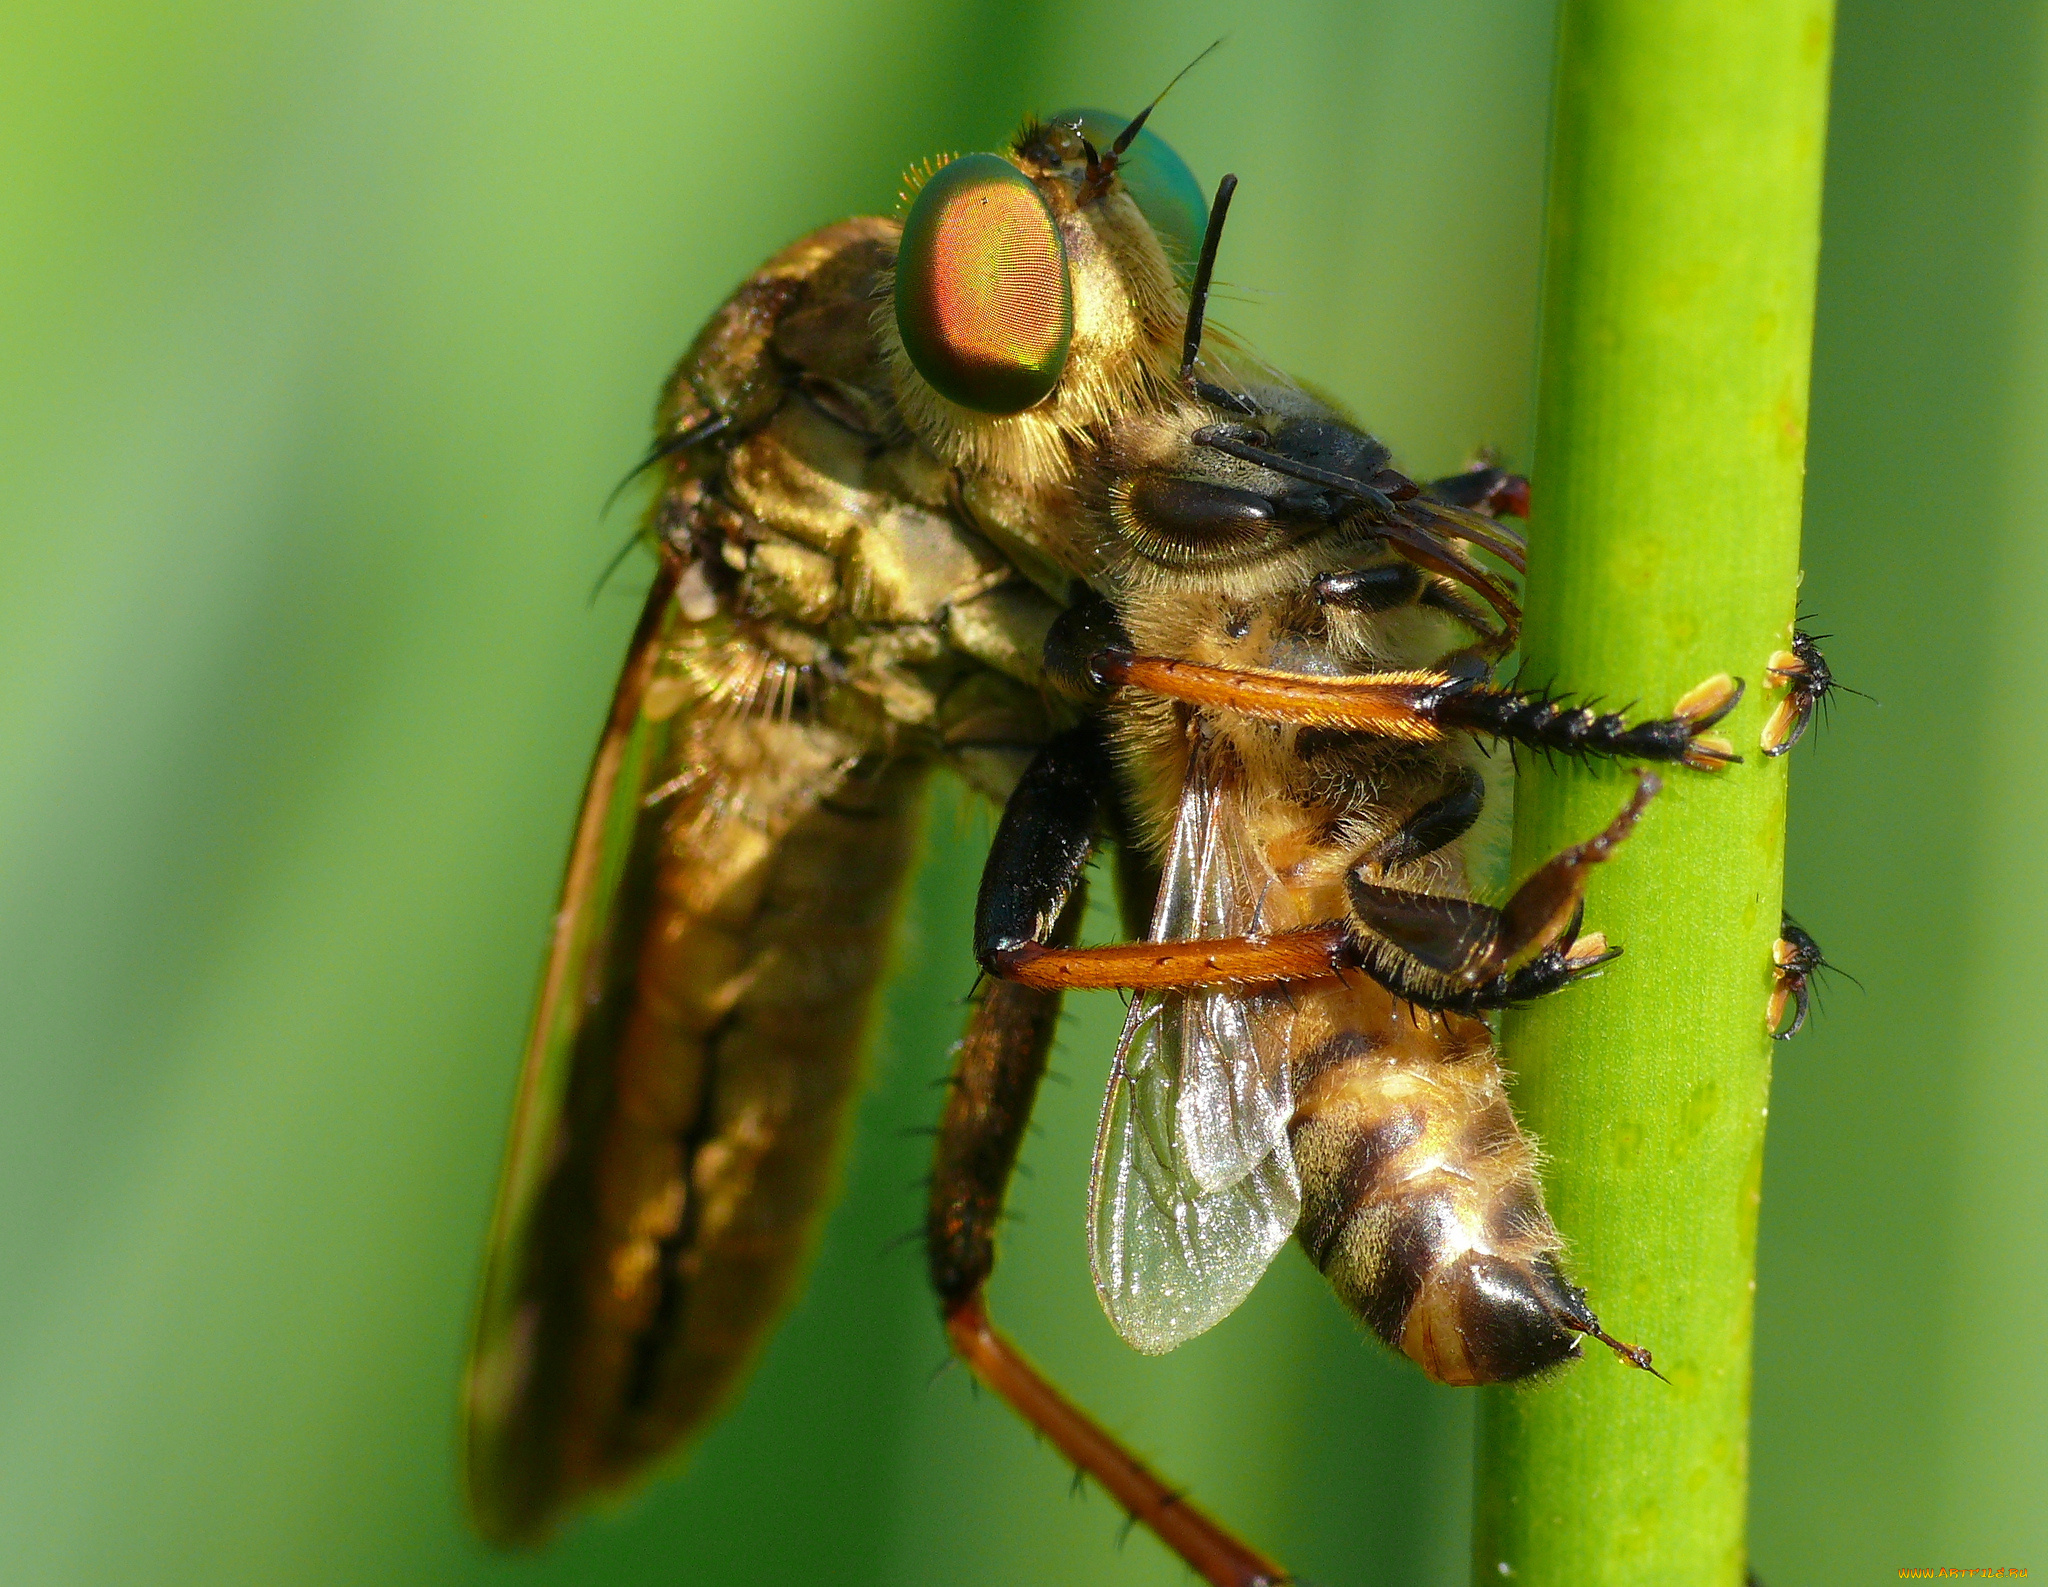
(1671, 431)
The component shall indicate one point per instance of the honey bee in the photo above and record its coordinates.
(975, 489)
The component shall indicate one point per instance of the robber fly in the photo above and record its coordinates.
(971, 489)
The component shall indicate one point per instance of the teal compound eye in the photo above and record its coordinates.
(984, 301)
(1158, 180)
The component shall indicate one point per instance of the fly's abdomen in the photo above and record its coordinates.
(1421, 1205)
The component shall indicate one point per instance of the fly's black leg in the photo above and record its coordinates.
(1042, 844)
(1002, 1058)
(1037, 861)
(1553, 968)
(1089, 626)
(1457, 955)
(1545, 723)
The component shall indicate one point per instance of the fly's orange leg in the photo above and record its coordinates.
(1035, 867)
(1210, 1550)
(1427, 706)
(1163, 966)
(1002, 1059)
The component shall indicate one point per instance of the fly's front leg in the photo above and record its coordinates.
(1036, 863)
(1427, 706)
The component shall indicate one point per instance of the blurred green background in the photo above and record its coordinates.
(326, 328)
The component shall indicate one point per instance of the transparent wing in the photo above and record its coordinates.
(1194, 1189)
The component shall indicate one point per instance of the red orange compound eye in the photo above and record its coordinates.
(983, 299)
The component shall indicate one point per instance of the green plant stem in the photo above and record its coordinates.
(1678, 309)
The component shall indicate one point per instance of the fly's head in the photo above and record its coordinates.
(1039, 294)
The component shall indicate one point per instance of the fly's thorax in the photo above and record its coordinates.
(1420, 1198)
(831, 574)
(827, 555)
(809, 307)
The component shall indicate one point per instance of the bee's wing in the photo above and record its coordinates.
(724, 924)
(1194, 1189)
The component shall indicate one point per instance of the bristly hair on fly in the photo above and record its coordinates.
(915, 176)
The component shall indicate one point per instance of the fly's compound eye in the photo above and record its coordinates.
(1158, 180)
(983, 299)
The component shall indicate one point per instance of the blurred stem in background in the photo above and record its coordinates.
(1671, 428)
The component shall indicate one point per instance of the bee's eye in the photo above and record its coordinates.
(983, 300)
(1158, 180)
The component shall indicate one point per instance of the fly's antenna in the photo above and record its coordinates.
(1123, 139)
(1205, 266)
(1100, 166)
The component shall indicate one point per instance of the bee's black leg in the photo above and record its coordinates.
(1467, 947)
(1383, 587)
(1443, 820)
(1389, 586)
(1427, 706)
(995, 1080)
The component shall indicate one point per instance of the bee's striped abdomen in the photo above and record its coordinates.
(1421, 1205)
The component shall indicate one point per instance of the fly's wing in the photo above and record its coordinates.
(1194, 1188)
(723, 927)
